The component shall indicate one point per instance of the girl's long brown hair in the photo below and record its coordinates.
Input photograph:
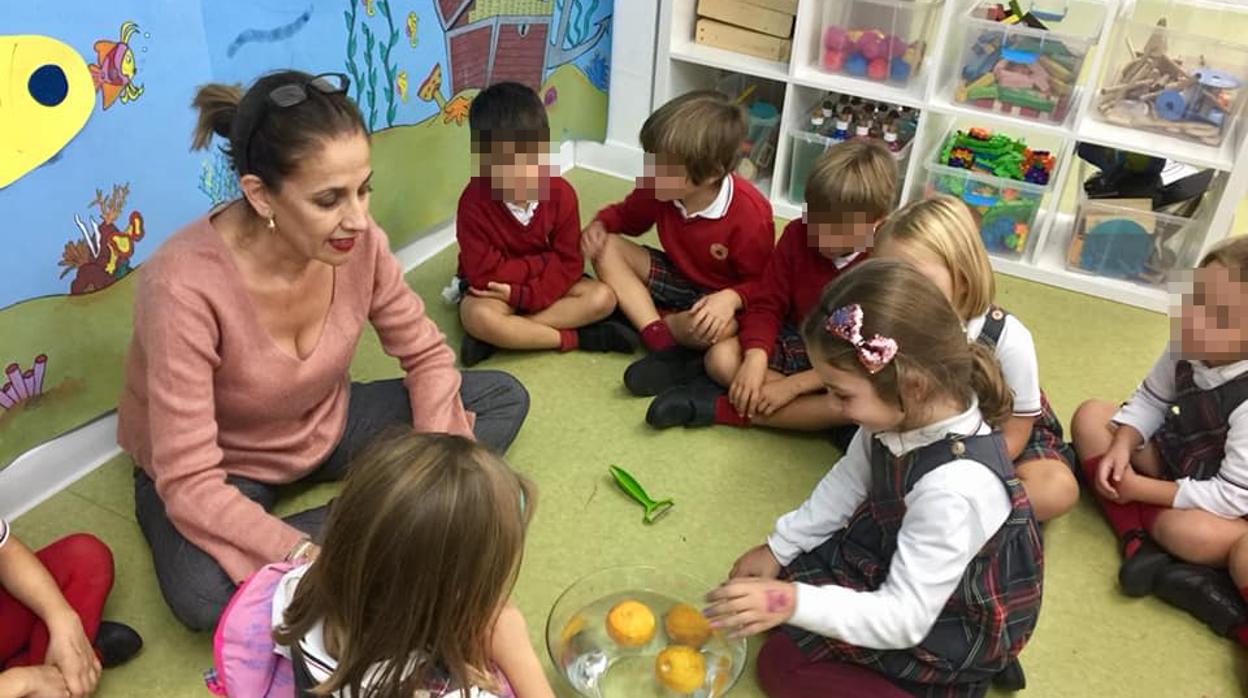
(932, 352)
(421, 551)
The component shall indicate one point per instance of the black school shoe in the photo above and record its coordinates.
(1205, 592)
(661, 370)
(473, 351)
(116, 643)
(608, 335)
(690, 405)
(1138, 574)
(1011, 677)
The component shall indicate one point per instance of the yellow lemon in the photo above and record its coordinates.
(630, 623)
(686, 626)
(680, 668)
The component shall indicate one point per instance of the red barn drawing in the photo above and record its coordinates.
(489, 41)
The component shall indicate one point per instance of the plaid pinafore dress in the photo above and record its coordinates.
(990, 615)
(1192, 441)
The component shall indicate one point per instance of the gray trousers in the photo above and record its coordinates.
(195, 586)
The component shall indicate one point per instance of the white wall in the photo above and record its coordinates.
(635, 24)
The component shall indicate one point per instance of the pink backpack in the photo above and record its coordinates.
(244, 663)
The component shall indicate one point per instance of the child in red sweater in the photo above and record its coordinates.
(52, 640)
(769, 378)
(519, 242)
(716, 230)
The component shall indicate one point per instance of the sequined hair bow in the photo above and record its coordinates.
(874, 353)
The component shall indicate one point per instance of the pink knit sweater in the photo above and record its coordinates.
(209, 394)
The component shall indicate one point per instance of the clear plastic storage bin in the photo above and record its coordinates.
(882, 40)
(807, 147)
(1179, 84)
(1023, 70)
(1007, 208)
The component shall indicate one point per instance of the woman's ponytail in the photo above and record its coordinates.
(218, 106)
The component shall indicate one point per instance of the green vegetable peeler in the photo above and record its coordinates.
(654, 510)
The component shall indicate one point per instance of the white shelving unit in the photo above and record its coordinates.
(682, 65)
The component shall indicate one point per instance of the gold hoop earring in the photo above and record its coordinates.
(272, 224)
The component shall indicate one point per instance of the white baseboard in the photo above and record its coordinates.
(614, 158)
(49, 468)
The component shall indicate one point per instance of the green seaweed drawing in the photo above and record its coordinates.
(390, 67)
(352, 45)
(369, 42)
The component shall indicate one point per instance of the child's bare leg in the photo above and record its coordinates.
(1091, 433)
(1198, 536)
(493, 321)
(681, 325)
(723, 360)
(624, 266)
(1089, 428)
(587, 302)
(1237, 562)
(1050, 485)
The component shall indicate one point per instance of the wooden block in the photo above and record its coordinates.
(788, 7)
(711, 33)
(741, 13)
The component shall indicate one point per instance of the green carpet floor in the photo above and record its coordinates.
(730, 486)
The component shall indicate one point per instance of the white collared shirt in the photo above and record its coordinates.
(1224, 494)
(951, 512)
(846, 259)
(1016, 354)
(525, 213)
(716, 209)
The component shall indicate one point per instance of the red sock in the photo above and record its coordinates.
(657, 336)
(726, 414)
(568, 340)
(1125, 519)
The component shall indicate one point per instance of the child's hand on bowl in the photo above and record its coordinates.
(749, 605)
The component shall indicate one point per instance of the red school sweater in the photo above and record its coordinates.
(714, 253)
(540, 261)
(789, 289)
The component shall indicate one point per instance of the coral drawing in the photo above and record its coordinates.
(217, 179)
(103, 255)
(22, 386)
(378, 53)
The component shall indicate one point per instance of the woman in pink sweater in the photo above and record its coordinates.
(245, 324)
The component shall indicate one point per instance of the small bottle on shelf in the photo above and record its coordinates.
(816, 123)
(841, 132)
(862, 129)
(890, 139)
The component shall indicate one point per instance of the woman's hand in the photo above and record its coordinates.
(758, 561)
(746, 388)
(749, 605)
(71, 652)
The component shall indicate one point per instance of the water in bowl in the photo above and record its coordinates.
(597, 666)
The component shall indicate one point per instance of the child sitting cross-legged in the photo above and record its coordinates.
(763, 376)
(518, 228)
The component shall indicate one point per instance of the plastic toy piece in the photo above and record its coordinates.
(654, 510)
(856, 65)
(877, 69)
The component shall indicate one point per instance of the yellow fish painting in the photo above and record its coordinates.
(368, 8)
(400, 84)
(413, 23)
(114, 69)
(46, 96)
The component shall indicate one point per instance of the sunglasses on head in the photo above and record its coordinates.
(295, 93)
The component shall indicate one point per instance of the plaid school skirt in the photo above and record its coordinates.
(788, 354)
(1048, 441)
(670, 289)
